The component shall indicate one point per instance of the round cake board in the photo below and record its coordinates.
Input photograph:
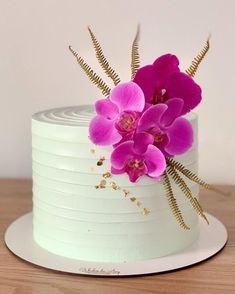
(19, 239)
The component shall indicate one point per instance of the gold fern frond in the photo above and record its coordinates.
(135, 57)
(102, 59)
(198, 208)
(97, 80)
(192, 176)
(187, 192)
(172, 201)
(191, 71)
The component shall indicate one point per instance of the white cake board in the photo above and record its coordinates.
(19, 239)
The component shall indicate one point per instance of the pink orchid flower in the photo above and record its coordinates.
(117, 115)
(138, 157)
(172, 134)
(163, 81)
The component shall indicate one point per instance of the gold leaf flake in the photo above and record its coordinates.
(101, 185)
(114, 186)
(101, 161)
(107, 175)
(92, 151)
(146, 211)
(133, 199)
(126, 192)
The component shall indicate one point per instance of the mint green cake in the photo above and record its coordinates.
(82, 212)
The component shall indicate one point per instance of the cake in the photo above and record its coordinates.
(118, 182)
(72, 218)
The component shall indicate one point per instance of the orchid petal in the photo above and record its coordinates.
(182, 86)
(121, 154)
(115, 171)
(164, 67)
(162, 144)
(151, 117)
(134, 175)
(102, 131)
(174, 110)
(128, 96)
(180, 137)
(155, 161)
(145, 78)
(125, 137)
(106, 108)
(141, 142)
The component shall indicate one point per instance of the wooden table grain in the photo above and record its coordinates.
(216, 275)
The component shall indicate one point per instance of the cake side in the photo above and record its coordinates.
(72, 218)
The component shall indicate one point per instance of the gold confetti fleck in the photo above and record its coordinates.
(101, 161)
(146, 211)
(114, 186)
(133, 199)
(126, 192)
(92, 151)
(101, 185)
(107, 175)
(138, 203)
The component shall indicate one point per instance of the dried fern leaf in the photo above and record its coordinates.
(102, 59)
(187, 192)
(192, 176)
(198, 207)
(191, 71)
(172, 201)
(135, 57)
(90, 73)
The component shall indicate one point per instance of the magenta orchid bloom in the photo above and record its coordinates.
(138, 157)
(172, 134)
(117, 115)
(163, 81)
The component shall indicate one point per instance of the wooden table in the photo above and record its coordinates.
(216, 275)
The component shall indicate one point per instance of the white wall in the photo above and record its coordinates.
(37, 71)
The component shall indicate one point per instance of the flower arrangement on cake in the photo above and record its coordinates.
(144, 121)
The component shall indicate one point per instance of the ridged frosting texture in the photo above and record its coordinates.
(74, 219)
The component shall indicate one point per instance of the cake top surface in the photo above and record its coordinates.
(69, 116)
(80, 115)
